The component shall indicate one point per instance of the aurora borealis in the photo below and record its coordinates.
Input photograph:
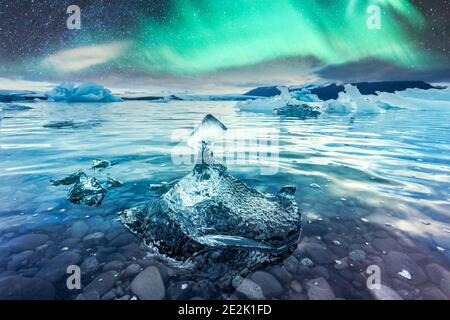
(197, 37)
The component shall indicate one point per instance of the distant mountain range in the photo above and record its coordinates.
(331, 91)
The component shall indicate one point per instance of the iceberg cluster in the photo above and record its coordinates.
(86, 92)
(209, 209)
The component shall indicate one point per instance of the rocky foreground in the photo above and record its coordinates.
(330, 262)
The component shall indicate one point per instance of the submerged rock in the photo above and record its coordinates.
(208, 210)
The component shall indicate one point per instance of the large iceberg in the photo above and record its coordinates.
(210, 210)
(352, 101)
(86, 92)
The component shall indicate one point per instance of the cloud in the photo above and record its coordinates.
(81, 58)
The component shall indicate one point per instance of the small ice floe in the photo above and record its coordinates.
(440, 249)
(336, 242)
(405, 274)
(365, 220)
(343, 199)
(314, 185)
(113, 183)
(101, 164)
(87, 191)
(446, 230)
(64, 248)
(86, 92)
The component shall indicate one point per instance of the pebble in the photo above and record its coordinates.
(318, 253)
(79, 229)
(21, 288)
(148, 285)
(102, 283)
(270, 286)
(56, 268)
(357, 255)
(307, 262)
(132, 270)
(396, 262)
(319, 289)
(405, 274)
(385, 293)
(26, 242)
(248, 288)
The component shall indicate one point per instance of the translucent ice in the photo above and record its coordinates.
(206, 132)
(86, 92)
(210, 209)
(87, 191)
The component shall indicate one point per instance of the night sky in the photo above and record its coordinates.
(233, 39)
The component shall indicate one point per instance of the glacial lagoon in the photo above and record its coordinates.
(373, 190)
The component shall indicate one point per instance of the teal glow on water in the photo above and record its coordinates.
(392, 169)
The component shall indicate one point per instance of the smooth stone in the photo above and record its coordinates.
(203, 289)
(318, 253)
(26, 242)
(21, 288)
(319, 289)
(269, 284)
(291, 264)
(296, 286)
(281, 273)
(18, 260)
(93, 295)
(102, 283)
(132, 270)
(433, 293)
(56, 268)
(122, 240)
(180, 290)
(248, 288)
(113, 265)
(386, 244)
(148, 285)
(93, 238)
(357, 255)
(436, 273)
(396, 262)
(79, 229)
(385, 293)
(89, 266)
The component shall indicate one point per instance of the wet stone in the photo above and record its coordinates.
(26, 242)
(317, 252)
(357, 255)
(248, 288)
(113, 265)
(180, 290)
(56, 268)
(102, 283)
(90, 266)
(385, 293)
(19, 260)
(269, 284)
(93, 238)
(79, 229)
(397, 262)
(21, 288)
(148, 285)
(319, 289)
(132, 270)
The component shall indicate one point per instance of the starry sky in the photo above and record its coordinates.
(228, 41)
